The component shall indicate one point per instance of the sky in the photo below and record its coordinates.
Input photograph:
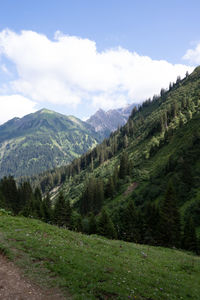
(76, 56)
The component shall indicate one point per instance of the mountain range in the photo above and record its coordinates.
(106, 122)
(46, 139)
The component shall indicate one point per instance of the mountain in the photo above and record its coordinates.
(107, 122)
(41, 141)
(145, 171)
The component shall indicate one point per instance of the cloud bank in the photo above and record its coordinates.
(69, 70)
(15, 106)
(193, 55)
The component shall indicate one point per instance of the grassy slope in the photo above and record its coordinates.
(91, 267)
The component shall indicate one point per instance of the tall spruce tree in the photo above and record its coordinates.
(92, 224)
(189, 241)
(47, 209)
(110, 189)
(61, 215)
(123, 169)
(130, 229)
(105, 226)
(170, 233)
(9, 190)
(151, 224)
(25, 195)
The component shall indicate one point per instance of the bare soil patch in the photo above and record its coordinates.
(131, 188)
(14, 286)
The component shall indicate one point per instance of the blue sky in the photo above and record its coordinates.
(76, 56)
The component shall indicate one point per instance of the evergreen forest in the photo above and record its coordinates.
(141, 180)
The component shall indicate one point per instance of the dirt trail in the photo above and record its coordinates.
(14, 286)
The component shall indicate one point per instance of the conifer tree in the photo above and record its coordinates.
(47, 210)
(130, 230)
(189, 241)
(60, 210)
(68, 214)
(115, 178)
(38, 203)
(93, 197)
(86, 200)
(105, 226)
(151, 224)
(123, 169)
(92, 224)
(2, 200)
(170, 219)
(25, 195)
(76, 222)
(110, 189)
(10, 193)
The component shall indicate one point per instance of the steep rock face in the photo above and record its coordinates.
(41, 141)
(106, 122)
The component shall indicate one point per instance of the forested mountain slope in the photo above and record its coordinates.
(140, 181)
(41, 141)
(159, 139)
(154, 157)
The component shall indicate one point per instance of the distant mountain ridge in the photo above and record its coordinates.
(42, 140)
(106, 122)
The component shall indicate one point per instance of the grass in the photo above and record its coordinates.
(92, 267)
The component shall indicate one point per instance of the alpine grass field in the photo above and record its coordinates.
(93, 267)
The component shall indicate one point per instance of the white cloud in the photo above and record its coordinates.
(193, 55)
(4, 69)
(69, 70)
(15, 106)
(109, 101)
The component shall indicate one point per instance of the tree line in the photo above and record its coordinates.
(151, 225)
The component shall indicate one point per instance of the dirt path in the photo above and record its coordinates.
(14, 286)
(130, 188)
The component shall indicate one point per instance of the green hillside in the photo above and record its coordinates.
(42, 141)
(159, 138)
(92, 267)
(156, 153)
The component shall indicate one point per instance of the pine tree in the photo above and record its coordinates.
(86, 200)
(170, 219)
(151, 224)
(189, 241)
(2, 201)
(123, 169)
(59, 211)
(25, 195)
(10, 193)
(130, 230)
(105, 226)
(47, 209)
(110, 189)
(98, 197)
(76, 222)
(68, 214)
(115, 178)
(92, 224)
(38, 207)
